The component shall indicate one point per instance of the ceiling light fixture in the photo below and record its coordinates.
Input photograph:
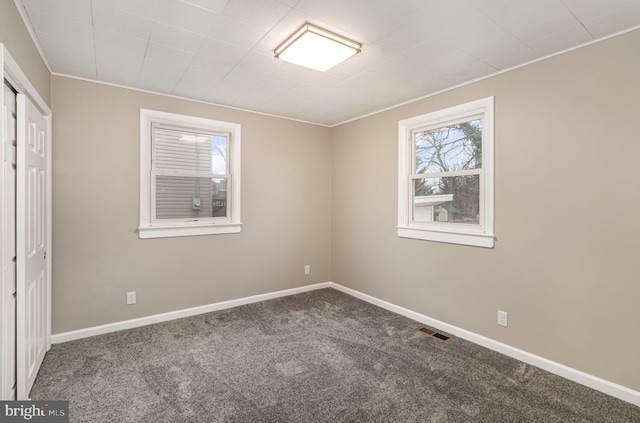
(316, 48)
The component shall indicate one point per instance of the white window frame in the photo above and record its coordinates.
(480, 235)
(187, 227)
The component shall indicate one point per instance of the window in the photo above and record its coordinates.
(189, 176)
(445, 188)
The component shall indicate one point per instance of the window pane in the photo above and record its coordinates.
(176, 149)
(190, 198)
(448, 148)
(219, 155)
(450, 199)
(219, 198)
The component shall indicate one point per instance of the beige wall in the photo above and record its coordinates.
(98, 257)
(567, 188)
(16, 39)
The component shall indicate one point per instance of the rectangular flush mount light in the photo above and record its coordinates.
(316, 48)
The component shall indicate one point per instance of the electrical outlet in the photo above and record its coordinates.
(131, 297)
(502, 318)
(307, 270)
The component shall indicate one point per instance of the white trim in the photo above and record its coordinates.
(177, 97)
(49, 227)
(145, 232)
(7, 359)
(594, 382)
(148, 229)
(468, 238)
(21, 83)
(481, 235)
(179, 314)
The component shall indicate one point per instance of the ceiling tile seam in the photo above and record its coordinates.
(204, 8)
(479, 59)
(524, 43)
(93, 28)
(154, 21)
(586, 29)
(283, 93)
(144, 58)
(577, 19)
(173, 27)
(225, 8)
(124, 12)
(210, 33)
(391, 11)
(398, 50)
(286, 4)
(93, 32)
(476, 57)
(483, 62)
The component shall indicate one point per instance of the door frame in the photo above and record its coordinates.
(19, 81)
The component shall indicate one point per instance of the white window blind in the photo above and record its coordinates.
(187, 186)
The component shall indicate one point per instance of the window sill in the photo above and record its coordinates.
(145, 232)
(467, 238)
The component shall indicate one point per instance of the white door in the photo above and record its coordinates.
(8, 288)
(31, 216)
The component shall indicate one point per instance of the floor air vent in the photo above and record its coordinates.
(432, 333)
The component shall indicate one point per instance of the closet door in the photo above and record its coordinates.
(32, 295)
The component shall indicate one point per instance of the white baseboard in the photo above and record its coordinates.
(599, 384)
(178, 314)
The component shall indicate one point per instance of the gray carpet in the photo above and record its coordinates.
(321, 356)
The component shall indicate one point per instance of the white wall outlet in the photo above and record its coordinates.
(307, 270)
(131, 297)
(502, 318)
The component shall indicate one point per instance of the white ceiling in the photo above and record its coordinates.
(221, 51)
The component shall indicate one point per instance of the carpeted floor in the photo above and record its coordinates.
(320, 356)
